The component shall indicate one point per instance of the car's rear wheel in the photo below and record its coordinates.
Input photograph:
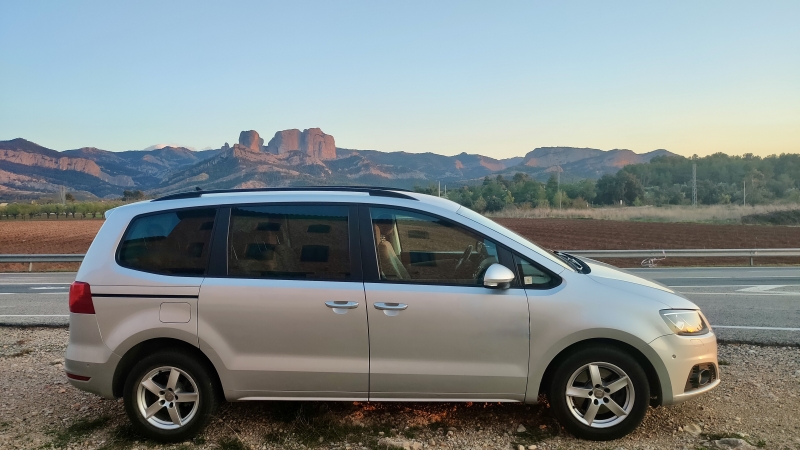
(169, 396)
(599, 393)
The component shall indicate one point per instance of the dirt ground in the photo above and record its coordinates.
(755, 404)
(74, 236)
(578, 234)
(46, 236)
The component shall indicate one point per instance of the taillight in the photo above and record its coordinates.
(80, 298)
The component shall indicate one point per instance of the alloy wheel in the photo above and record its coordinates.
(167, 397)
(600, 395)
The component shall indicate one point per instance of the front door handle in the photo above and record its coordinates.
(391, 306)
(390, 309)
(342, 305)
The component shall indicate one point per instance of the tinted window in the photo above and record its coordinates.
(169, 243)
(307, 241)
(417, 247)
(532, 275)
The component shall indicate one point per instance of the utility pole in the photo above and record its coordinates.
(558, 186)
(694, 184)
(440, 189)
(744, 192)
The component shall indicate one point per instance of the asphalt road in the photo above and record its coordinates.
(748, 304)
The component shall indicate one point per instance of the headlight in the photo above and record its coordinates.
(684, 322)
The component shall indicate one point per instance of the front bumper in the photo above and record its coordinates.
(679, 355)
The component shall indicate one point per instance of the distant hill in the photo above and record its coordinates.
(579, 163)
(291, 157)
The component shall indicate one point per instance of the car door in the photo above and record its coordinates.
(285, 317)
(435, 330)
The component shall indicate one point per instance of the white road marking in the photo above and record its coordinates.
(34, 315)
(49, 287)
(762, 288)
(755, 328)
(764, 294)
(52, 293)
(733, 285)
(24, 283)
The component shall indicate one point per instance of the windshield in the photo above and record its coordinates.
(489, 223)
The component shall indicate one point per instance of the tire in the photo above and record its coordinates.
(176, 389)
(623, 388)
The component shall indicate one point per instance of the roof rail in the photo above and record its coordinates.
(371, 190)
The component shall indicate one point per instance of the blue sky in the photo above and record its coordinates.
(487, 77)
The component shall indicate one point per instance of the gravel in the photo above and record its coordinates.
(756, 406)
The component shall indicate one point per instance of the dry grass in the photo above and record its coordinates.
(707, 214)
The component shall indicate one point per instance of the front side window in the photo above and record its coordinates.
(289, 241)
(169, 243)
(533, 276)
(416, 247)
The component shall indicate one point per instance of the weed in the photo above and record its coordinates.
(79, 429)
(312, 424)
(120, 438)
(749, 439)
(723, 362)
(199, 440)
(22, 352)
(232, 443)
(412, 432)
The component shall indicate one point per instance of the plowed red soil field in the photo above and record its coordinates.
(46, 236)
(74, 236)
(577, 234)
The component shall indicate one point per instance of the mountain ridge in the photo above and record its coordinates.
(308, 157)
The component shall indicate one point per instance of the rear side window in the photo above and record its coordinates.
(285, 241)
(169, 243)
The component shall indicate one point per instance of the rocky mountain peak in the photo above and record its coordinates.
(251, 140)
(311, 142)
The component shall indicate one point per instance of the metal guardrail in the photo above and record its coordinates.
(672, 253)
(40, 258)
(688, 253)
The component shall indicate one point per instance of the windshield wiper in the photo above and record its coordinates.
(576, 263)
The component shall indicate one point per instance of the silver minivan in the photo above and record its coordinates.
(366, 294)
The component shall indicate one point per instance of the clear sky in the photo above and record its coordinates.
(496, 78)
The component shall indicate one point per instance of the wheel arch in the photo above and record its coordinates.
(656, 371)
(150, 346)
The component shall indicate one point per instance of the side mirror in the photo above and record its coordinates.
(498, 276)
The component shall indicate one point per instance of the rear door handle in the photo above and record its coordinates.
(391, 306)
(342, 305)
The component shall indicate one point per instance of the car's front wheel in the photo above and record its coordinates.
(599, 393)
(169, 396)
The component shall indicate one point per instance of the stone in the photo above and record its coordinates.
(399, 443)
(693, 429)
(251, 140)
(521, 428)
(732, 443)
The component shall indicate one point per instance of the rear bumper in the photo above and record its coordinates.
(88, 356)
(680, 354)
